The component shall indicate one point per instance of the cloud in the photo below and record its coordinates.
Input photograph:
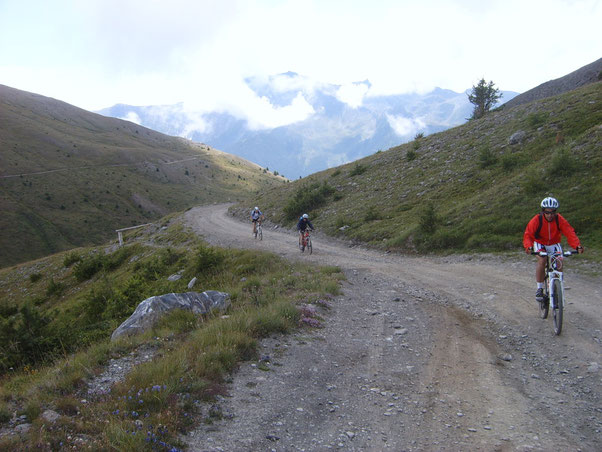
(132, 116)
(403, 126)
(353, 94)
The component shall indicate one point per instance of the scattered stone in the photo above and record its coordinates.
(22, 428)
(174, 277)
(153, 308)
(192, 283)
(50, 416)
(505, 357)
(593, 367)
(517, 137)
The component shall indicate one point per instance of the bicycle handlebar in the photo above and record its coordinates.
(544, 253)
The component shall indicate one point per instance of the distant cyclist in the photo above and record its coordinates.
(256, 216)
(543, 233)
(302, 225)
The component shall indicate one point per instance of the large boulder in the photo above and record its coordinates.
(151, 309)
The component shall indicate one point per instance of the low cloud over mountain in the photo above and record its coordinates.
(298, 127)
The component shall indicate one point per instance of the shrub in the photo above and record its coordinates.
(307, 198)
(71, 259)
(428, 219)
(487, 157)
(510, 161)
(54, 288)
(207, 258)
(87, 267)
(419, 135)
(534, 120)
(411, 155)
(35, 277)
(534, 183)
(358, 169)
(562, 164)
(372, 214)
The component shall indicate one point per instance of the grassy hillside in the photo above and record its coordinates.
(467, 188)
(69, 177)
(57, 314)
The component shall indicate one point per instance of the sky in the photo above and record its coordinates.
(97, 53)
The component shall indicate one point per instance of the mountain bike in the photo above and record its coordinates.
(306, 242)
(553, 288)
(259, 231)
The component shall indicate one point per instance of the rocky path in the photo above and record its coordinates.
(417, 354)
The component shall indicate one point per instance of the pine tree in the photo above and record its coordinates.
(483, 96)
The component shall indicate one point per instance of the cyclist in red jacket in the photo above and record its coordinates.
(544, 231)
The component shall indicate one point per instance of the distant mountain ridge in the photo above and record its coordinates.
(335, 133)
(590, 73)
(69, 177)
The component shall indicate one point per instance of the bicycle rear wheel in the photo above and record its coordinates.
(544, 305)
(558, 307)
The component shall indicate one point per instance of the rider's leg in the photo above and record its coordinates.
(540, 271)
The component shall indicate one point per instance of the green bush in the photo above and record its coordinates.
(35, 277)
(306, 199)
(534, 183)
(411, 155)
(54, 288)
(534, 120)
(563, 164)
(71, 259)
(358, 169)
(87, 267)
(510, 161)
(207, 259)
(428, 219)
(487, 157)
(372, 214)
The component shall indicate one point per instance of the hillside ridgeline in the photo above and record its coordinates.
(70, 177)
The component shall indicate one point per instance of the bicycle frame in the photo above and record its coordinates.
(553, 274)
(305, 237)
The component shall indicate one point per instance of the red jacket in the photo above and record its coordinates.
(550, 232)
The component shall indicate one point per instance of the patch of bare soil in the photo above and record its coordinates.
(417, 354)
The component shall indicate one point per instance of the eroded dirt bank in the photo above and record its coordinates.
(417, 354)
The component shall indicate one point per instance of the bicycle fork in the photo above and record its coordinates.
(553, 276)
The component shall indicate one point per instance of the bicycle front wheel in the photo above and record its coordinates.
(260, 233)
(558, 307)
(309, 247)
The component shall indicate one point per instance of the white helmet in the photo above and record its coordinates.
(549, 203)
(256, 208)
(305, 216)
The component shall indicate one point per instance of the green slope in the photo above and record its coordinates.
(69, 177)
(482, 189)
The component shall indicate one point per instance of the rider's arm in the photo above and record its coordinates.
(568, 232)
(529, 235)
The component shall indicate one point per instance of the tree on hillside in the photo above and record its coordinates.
(483, 96)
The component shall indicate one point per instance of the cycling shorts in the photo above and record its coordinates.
(550, 249)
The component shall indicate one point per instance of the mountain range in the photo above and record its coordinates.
(339, 129)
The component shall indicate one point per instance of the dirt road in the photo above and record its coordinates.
(417, 354)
